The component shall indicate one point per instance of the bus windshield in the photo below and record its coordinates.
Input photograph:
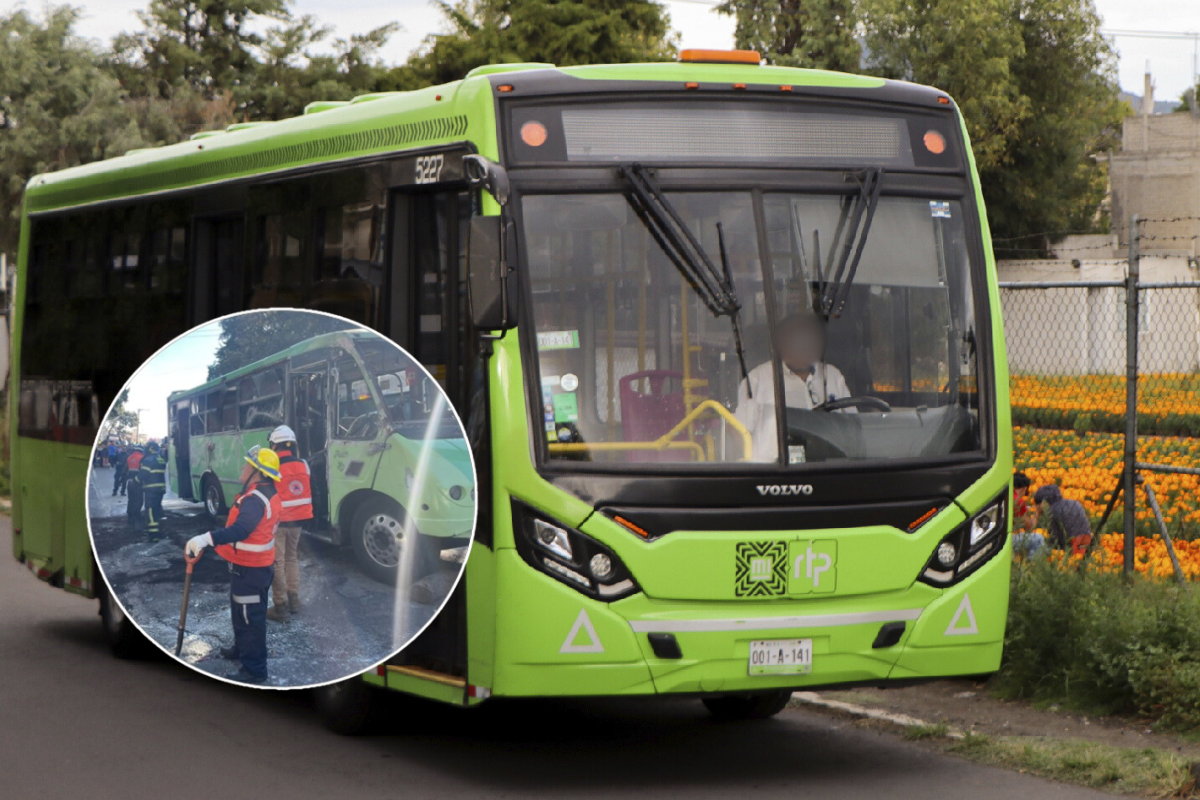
(635, 368)
(407, 391)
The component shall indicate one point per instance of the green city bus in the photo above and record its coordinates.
(601, 265)
(363, 413)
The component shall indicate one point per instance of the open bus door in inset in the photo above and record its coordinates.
(181, 414)
(308, 416)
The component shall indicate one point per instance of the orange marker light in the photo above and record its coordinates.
(691, 85)
(504, 87)
(934, 142)
(533, 134)
(921, 520)
(739, 86)
(944, 101)
(642, 532)
(785, 88)
(721, 56)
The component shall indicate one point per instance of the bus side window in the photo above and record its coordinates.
(212, 413)
(229, 410)
(197, 418)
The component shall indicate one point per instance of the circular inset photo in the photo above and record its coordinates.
(281, 498)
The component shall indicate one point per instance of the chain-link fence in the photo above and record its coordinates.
(1080, 421)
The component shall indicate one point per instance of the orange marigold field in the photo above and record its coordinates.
(1164, 393)
(1150, 556)
(1168, 403)
(1086, 467)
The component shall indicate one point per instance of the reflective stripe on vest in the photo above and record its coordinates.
(295, 488)
(257, 549)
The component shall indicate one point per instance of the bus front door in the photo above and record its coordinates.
(182, 414)
(309, 417)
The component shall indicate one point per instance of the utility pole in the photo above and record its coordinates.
(1131, 377)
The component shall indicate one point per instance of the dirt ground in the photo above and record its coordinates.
(344, 628)
(968, 706)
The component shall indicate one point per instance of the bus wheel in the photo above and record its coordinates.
(123, 637)
(347, 707)
(748, 706)
(214, 498)
(377, 534)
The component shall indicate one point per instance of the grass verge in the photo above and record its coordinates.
(1140, 771)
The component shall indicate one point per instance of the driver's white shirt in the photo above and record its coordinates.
(757, 413)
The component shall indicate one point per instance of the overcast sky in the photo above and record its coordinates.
(1171, 61)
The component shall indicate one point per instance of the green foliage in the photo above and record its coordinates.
(1048, 179)
(1097, 641)
(246, 338)
(964, 47)
(818, 34)
(562, 32)
(120, 421)
(254, 55)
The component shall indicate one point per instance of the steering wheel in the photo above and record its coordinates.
(862, 401)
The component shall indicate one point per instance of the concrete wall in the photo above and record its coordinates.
(1078, 331)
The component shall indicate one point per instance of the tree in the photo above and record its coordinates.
(562, 32)
(289, 75)
(120, 422)
(246, 338)
(965, 48)
(1051, 179)
(208, 45)
(58, 107)
(818, 34)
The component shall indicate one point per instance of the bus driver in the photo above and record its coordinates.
(807, 381)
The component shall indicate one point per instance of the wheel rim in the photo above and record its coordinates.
(212, 499)
(382, 537)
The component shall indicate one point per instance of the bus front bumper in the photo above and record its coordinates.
(554, 641)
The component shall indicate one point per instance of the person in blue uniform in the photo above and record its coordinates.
(153, 477)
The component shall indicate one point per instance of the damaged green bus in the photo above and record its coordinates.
(362, 413)
(726, 338)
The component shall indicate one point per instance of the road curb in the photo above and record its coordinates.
(900, 720)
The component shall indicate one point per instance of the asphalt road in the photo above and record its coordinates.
(75, 722)
(346, 627)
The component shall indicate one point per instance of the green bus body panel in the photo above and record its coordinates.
(527, 633)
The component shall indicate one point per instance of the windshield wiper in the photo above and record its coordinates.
(836, 290)
(684, 250)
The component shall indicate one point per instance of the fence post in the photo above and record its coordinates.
(1131, 377)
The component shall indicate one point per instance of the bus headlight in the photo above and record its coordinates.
(567, 555)
(969, 546)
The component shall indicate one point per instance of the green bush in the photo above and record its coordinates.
(1171, 424)
(1095, 641)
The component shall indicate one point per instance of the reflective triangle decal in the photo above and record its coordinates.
(964, 608)
(583, 624)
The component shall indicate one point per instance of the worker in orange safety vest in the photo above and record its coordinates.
(247, 542)
(295, 490)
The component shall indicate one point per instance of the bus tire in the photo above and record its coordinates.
(759, 705)
(123, 637)
(348, 707)
(214, 498)
(375, 521)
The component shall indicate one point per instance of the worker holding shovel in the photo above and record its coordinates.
(247, 542)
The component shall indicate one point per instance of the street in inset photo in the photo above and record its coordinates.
(281, 498)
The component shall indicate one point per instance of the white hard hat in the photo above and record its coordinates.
(283, 434)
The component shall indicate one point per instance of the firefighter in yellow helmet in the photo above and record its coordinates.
(247, 542)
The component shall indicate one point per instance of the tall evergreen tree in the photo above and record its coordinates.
(562, 32)
(819, 34)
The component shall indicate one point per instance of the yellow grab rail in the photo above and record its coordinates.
(667, 440)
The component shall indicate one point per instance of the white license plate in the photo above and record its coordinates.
(781, 657)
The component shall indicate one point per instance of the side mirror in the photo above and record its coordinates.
(487, 174)
(490, 280)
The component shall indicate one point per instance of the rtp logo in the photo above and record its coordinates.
(812, 566)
